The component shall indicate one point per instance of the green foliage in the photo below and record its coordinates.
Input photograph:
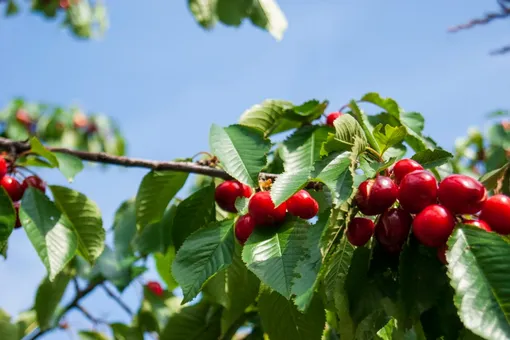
(7, 218)
(48, 297)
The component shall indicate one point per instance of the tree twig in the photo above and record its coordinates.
(117, 299)
(89, 316)
(505, 12)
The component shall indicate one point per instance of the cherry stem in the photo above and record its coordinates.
(202, 153)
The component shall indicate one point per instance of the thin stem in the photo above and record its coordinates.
(117, 299)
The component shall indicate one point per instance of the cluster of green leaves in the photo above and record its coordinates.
(55, 127)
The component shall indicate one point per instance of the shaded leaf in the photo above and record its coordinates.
(124, 332)
(335, 172)
(164, 267)
(8, 331)
(7, 219)
(308, 111)
(204, 12)
(48, 297)
(490, 179)
(432, 158)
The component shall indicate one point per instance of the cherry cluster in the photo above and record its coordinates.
(14, 188)
(261, 209)
(429, 208)
(80, 122)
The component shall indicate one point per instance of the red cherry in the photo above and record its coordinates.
(244, 227)
(418, 189)
(441, 253)
(23, 117)
(16, 209)
(479, 223)
(359, 231)
(376, 195)
(13, 188)
(155, 288)
(263, 211)
(496, 212)
(433, 225)
(303, 205)
(393, 228)
(403, 167)
(331, 118)
(34, 181)
(3, 167)
(227, 192)
(461, 194)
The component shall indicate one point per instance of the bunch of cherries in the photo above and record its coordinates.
(432, 210)
(15, 189)
(261, 209)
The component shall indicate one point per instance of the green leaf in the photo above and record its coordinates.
(215, 289)
(164, 267)
(193, 213)
(8, 331)
(156, 237)
(387, 104)
(204, 12)
(347, 128)
(124, 228)
(335, 172)
(281, 319)
(196, 322)
(154, 194)
(157, 308)
(91, 335)
(48, 297)
(39, 149)
(288, 183)
(477, 267)
(490, 179)
(241, 150)
(124, 332)
(69, 165)
(202, 255)
(7, 217)
(12, 9)
(272, 255)
(413, 120)
(50, 232)
(389, 136)
(85, 217)
(120, 271)
(307, 112)
(432, 158)
(268, 117)
(268, 15)
(26, 322)
(362, 119)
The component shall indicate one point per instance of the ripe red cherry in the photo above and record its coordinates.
(393, 228)
(331, 118)
(23, 117)
(479, 223)
(16, 210)
(3, 167)
(461, 194)
(496, 212)
(155, 288)
(403, 167)
(441, 253)
(13, 188)
(359, 231)
(262, 209)
(418, 189)
(303, 205)
(433, 225)
(244, 227)
(376, 195)
(34, 181)
(227, 192)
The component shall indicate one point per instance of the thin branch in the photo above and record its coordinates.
(505, 12)
(117, 299)
(89, 316)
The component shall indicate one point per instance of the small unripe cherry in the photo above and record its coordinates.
(3, 167)
(227, 192)
(393, 228)
(262, 209)
(376, 195)
(433, 225)
(16, 210)
(403, 167)
(461, 194)
(417, 190)
(331, 117)
(13, 187)
(155, 288)
(478, 223)
(496, 212)
(34, 181)
(359, 231)
(302, 205)
(244, 227)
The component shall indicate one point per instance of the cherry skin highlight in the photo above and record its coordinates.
(462, 194)
(403, 167)
(433, 225)
(496, 212)
(331, 118)
(155, 288)
(13, 187)
(244, 227)
(376, 195)
(302, 205)
(393, 228)
(34, 181)
(3, 167)
(479, 223)
(418, 189)
(359, 231)
(262, 209)
(18, 221)
(227, 192)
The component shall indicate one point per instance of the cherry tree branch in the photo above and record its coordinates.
(489, 17)
(117, 299)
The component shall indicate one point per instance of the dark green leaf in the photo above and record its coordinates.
(156, 237)
(302, 148)
(7, 217)
(389, 136)
(11, 9)
(48, 297)
(8, 331)
(92, 335)
(307, 112)
(158, 308)
(432, 158)
(490, 179)
(124, 332)
(69, 165)
(120, 271)
(202, 255)
(50, 232)
(268, 117)
(215, 289)
(204, 12)
(124, 228)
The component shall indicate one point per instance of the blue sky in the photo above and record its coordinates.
(166, 81)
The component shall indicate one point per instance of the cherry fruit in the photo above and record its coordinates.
(359, 231)
(376, 195)
(433, 225)
(393, 228)
(403, 167)
(331, 118)
(262, 209)
(227, 192)
(3, 167)
(155, 288)
(462, 194)
(23, 117)
(13, 188)
(479, 223)
(16, 210)
(244, 227)
(496, 212)
(418, 189)
(34, 181)
(302, 205)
